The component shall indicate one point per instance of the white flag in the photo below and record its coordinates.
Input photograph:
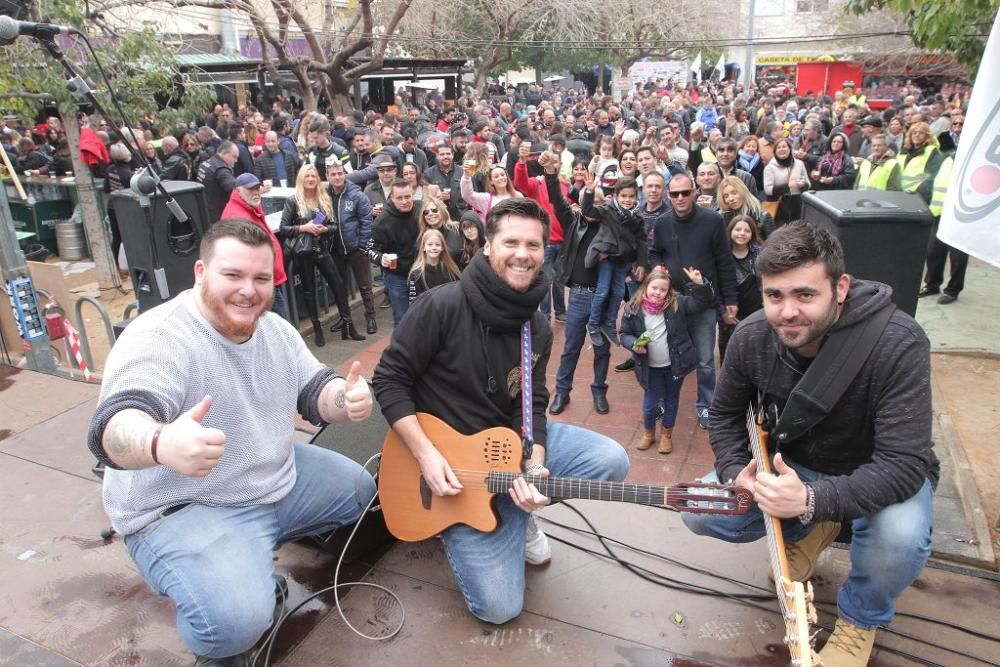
(720, 66)
(970, 219)
(696, 67)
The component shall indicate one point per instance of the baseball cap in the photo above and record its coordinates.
(531, 107)
(247, 181)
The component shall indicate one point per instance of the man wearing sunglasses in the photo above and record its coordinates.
(696, 236)
(948, 140)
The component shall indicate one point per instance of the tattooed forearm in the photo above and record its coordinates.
(340, 399)
(126, 439)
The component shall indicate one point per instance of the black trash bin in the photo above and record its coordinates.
(884, 235)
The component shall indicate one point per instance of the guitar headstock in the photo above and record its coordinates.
(708, 498)
(799, 615)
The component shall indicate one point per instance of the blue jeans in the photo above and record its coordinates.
(216, 563)
(662, 388)
(280, 304)
(702, 326)
(577, 314)
(608, 295)
(888, 550)
(398, 294)
(489, 567)
(554, 297)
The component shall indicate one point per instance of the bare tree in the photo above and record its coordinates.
(342, 44)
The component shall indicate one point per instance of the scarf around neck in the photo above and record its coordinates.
(495, 303)
(748, 162)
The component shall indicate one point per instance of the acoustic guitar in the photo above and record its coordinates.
(487, 463)
(794, 598)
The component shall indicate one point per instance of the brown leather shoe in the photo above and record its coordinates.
(648, 437)
(848, 646)
(666, 444)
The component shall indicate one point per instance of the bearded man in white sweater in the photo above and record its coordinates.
(195, 426)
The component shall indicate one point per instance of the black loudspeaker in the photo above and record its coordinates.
(358, 441)
(884, 235)
(161, 251)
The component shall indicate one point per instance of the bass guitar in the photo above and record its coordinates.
(487, 463)
(794, 598)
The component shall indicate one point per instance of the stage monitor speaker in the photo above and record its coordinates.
(358, 441)
(161, 251)
(884, 235)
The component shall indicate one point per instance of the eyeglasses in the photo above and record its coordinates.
(725, 150)
(428, 211)
(677, 194)
(385, 169)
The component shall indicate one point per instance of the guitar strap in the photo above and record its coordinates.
(527, 417)
(827, 378)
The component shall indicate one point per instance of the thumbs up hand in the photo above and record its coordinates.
(357, 395)
(188, 447)
(782, 494)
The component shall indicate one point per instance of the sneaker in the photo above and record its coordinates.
(625, 366)
(560, 317)
(537, 550)
(596, 337)
(703, 418)
(385, 303)
(848, 646)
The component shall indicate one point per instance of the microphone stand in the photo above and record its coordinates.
(145, 182)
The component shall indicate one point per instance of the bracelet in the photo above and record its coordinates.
(156, 441)
(806, 517)
(533, 468)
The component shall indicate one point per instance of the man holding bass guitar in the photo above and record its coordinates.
(458, 354)
(847, 377)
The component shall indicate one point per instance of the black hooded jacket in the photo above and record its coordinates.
(456, 355)
(875, 445)
(396, 233)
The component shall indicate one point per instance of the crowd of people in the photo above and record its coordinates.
(657, 224)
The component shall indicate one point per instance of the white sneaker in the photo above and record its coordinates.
(537, 550)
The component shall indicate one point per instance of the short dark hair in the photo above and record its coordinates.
(522, 206)
(400, 183)
(479, 126)
(558, 140)
(627, 183)
(321, 124)
(645, 149)
(243, 231)
(798, 244)
(408, 132)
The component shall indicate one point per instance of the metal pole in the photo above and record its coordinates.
(748, 73)
(17, 283)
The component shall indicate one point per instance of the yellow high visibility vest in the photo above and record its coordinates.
(941, 183)
(857, 99)
(877, 178)
(915, 170)
(707, 155)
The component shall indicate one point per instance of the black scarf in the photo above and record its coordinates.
(498, 305)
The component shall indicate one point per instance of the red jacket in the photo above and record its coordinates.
(534, 187)
(237, 208)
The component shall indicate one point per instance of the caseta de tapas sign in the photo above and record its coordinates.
(658, 69)
(788, 60)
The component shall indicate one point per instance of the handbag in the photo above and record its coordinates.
(305, 244)
(771, 207)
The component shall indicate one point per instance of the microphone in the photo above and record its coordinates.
(11, 29)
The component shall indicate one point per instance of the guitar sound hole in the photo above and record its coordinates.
(496, 452)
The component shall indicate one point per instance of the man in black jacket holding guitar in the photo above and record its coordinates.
(458, 354)
(850, 378)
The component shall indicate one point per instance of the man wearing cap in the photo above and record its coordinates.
(378, 192)
(244, 204)
(870, 126)
(216, 174)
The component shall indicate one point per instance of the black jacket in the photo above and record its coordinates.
(703, 244)
(176, 166)
(265, 169)
(574, 229)
(453, 180)
(622, 235)
(442, 357)
(219, 181)
(875, 444)
(683, 355)
(396, 233)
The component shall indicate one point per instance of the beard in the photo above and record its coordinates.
(220, 308)
(517, 280)
(807, 331)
